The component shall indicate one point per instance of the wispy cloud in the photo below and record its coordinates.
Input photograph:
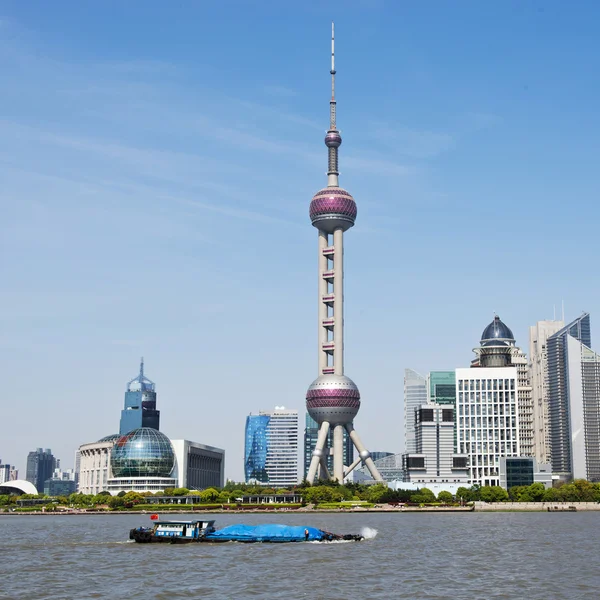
(280, 90)
(414, 143)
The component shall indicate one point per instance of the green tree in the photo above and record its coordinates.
(130, 499)
(550, 495)
(180, 492)
(464, 494)
(116, 502)
(423, 496)
(493, 493)
(376, 492)
(445, 497)
(209, 495)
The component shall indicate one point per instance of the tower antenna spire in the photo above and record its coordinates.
(142, 367)
(333, 139)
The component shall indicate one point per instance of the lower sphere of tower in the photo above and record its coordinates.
(333, 398)
(333, 208)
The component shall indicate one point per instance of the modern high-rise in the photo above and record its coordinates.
(434, 460)
(538, 368)
(574, 402)
(8, 473)
(487, 405)
(415, 394)
(441, 386)
(333, 399)
(40, 466)
(271, 448)
(311, 433)
(140, 404)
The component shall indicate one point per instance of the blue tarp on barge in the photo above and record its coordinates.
(265, 533)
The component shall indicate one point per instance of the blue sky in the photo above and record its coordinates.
(156, 166)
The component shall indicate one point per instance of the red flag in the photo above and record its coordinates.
(154, 517)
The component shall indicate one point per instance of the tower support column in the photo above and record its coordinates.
(338, 453)
(363, 452)
(318, 451)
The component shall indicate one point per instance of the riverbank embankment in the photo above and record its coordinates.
(536, 506)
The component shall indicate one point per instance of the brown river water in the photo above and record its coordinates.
(430, 556)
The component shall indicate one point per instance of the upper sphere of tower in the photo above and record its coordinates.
(333, 398)
(333, 139)
(497, 333)
(332, 208)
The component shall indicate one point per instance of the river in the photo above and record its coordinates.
(414, 556)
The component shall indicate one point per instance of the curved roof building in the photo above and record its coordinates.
(17, 487)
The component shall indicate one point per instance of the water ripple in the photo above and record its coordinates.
(426, 556)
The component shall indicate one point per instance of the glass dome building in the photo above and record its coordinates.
(143, 452)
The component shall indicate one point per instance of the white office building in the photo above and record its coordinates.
(435, 461)
(271, 449)
(487, 420)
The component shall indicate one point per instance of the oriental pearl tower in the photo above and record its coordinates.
(333, 399)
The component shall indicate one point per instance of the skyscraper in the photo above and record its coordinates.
(415, 394)
(487, 413)
(140, 404)
(311, 433)
(538, 367)
(574, 402)
(271, 447)
(333, 399)
(40, 466)
(8, 473)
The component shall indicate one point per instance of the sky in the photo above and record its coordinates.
(157, 161)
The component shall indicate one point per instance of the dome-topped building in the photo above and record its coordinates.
(496, 345)
(497, 333)
(142, 459)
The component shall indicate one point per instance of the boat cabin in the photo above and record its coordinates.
(183, 529)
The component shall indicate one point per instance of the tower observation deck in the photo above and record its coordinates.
(333, 399)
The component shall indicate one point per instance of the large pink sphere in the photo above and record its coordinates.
(332, 208)
(333, 398)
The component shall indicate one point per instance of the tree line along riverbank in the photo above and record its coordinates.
(323, 496)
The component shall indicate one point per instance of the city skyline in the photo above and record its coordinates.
(146, 180)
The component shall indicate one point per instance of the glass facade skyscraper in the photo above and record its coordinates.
(140, 405)
(271, 448)
(574, 402)
(255, 449)
(40, 466)
(311, 430)
(442, 387)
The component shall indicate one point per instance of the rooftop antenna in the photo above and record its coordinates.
(142, 368)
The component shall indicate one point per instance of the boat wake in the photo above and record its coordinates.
(369, 533)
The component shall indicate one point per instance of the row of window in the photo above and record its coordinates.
(486, 384)
(487, 410)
